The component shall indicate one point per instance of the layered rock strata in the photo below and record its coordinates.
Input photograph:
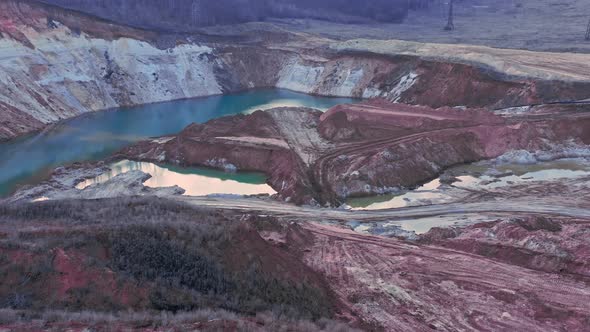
(362, 149)
(57, 64)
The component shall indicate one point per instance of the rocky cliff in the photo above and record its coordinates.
(57, 64)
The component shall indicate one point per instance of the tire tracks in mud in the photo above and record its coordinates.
(383, 278)
(307, 213)
(320, 177)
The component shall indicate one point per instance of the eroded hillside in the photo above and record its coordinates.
(454, 198)
(58, 64)
(363, 149)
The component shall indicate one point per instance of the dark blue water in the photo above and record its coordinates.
(97, 135)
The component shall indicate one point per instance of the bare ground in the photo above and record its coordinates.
(542, 25)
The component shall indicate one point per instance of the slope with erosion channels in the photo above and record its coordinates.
(363, 149)
(57, 64)
(526, 272)
(520, 262)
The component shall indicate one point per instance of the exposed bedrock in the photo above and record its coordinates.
(363, 149)
(549, 244)
(57, 64)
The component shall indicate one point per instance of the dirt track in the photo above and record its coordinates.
(541, 25)
(405, 287)
(511, 207)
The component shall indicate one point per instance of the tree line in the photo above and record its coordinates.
(186, 14)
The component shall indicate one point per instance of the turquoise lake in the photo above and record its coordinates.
(94, 136)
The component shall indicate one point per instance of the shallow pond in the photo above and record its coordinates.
(195, 181)
(478, 176)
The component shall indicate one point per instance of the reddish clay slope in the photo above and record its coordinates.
(406, 287)
(362, 149)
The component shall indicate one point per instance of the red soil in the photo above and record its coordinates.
(407, 287)
(368, 148)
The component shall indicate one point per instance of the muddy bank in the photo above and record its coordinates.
(492, 178)
(364, 149)
(63, 183)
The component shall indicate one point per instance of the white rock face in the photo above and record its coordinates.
(554, 152)
(520, 157)
(349, 82)
(69, 74)
(514, 110)
(396, 93)
(299, 77)
(181, 72)
(337, 78)
(372, 92)
(405, 83)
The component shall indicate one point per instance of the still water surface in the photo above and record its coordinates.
(476, 177)
(195, 181)
(96, 135)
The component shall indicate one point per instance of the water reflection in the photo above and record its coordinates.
(496, 176)
(96, 135)
(426, 192)
(282, 102)
(417, 226)
(478, 176)
(196, 181)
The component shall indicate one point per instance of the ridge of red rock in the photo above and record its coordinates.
(362, 149)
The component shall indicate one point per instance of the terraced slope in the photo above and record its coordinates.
(364, 149)
(57, 64)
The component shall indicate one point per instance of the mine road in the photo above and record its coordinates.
(268, 207)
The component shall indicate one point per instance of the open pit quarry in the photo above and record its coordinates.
(58, 64)
(370, 148)
(493, 142)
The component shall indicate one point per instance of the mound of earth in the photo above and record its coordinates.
(362, 149)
